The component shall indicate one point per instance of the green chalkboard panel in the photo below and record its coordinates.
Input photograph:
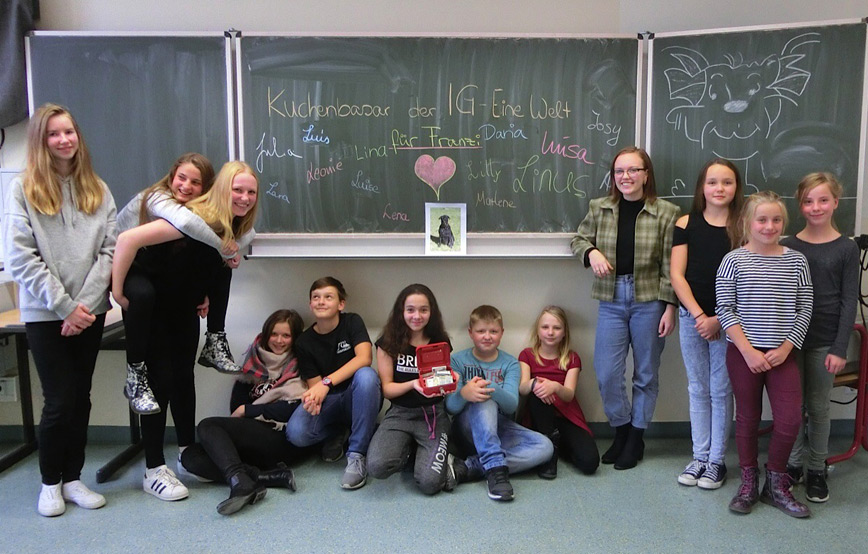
(141, 101)
(780, 103)
(356, 134)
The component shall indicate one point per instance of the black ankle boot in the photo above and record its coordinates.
(280, 477)
(634, 449)
(549, 470)
(621, 432)
(243, 491)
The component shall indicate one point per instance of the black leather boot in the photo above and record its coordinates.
(243, 491)
(621, 432)
(280, 477)
(549, 470)
(634, 449)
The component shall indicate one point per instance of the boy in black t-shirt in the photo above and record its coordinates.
(334, 357)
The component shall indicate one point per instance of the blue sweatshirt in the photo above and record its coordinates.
(504, 374)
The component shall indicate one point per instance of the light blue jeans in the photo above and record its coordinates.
(356, 406)
(621, 324)
(499, 440)
(817, 390)
(708, 389)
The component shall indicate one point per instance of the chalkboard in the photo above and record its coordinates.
(141, 101)
(356, 134)
(780, 103)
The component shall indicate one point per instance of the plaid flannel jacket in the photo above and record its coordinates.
(654, 226)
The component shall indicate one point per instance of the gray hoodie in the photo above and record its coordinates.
(62, 260)
(163, 206)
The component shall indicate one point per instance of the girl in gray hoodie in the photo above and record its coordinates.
(59, 238)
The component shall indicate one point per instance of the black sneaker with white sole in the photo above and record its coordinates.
(816, 488)
(499, 487)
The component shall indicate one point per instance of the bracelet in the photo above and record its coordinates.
(532, 384)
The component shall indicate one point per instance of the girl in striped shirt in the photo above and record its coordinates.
(764, 300)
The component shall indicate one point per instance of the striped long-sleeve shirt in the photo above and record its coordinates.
(769, 296)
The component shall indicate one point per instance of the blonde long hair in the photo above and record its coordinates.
(41, 180)
(215, 207)
(164, 185)
(749, 210)
(564, 348)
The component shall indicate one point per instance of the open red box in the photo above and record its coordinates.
(435, 373)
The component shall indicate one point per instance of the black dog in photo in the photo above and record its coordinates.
(445, 236)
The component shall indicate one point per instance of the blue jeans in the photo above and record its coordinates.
(356, 406)
(499, 440)
(621, 324)
(709, 390)
(817, 389)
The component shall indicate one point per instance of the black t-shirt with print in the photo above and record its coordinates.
(406, 369)
(320, 355)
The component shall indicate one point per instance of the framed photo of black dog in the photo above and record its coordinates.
(445, 229)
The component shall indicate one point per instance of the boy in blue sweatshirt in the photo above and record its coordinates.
(484, 405)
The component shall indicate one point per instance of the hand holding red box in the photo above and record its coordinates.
(436, 377)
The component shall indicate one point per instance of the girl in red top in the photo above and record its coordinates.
(549, 376)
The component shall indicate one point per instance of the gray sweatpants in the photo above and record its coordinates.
(426, 428)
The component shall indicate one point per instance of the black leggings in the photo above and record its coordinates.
(65, 367)
(227, 444)
(142, 295)
(577, 442)
(170, 372)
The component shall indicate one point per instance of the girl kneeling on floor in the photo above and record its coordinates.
(415, 420)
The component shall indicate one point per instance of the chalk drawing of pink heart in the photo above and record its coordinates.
(435, 173)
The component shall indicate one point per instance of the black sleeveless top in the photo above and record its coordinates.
(706, 247)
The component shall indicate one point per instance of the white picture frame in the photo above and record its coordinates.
(445, 229)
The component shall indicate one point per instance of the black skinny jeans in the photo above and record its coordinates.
(65, 366)
(228, 444)
(180, 272)
(578, 443)
(142, 295)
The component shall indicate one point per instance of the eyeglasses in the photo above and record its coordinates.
(632, 172)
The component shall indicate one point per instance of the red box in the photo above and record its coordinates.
(435, 373)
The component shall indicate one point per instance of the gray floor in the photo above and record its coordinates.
(641, 510)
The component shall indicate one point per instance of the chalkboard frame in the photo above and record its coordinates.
(224, 76)
(862, 148)
(411, 245)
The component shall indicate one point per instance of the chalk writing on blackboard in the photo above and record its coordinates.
(731, 105)
(361, 132)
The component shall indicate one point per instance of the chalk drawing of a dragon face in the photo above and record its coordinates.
(730, 106)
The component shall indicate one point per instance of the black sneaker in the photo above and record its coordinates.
(796, 473)
(333, 448)
(456, 472)
(499, 487)
(816, 488)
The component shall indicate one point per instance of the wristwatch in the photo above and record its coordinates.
(328, 382)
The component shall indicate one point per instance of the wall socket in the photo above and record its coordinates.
(8, 391)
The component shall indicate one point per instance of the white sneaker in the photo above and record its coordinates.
(51, 501)
(162, 483)
(77, 492)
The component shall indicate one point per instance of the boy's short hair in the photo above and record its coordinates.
(329, 281)
(485, 313)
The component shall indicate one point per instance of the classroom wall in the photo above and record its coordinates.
(518, 287)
